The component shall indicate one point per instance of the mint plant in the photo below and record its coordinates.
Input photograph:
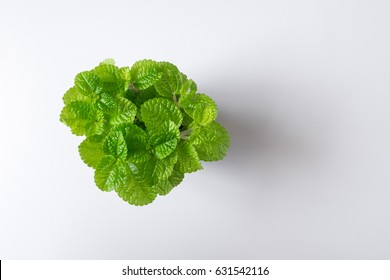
(145, 127)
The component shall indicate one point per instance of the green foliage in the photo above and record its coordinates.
(200, 107)
(145, 127)
(164, 139)
(156, 111)
(211, 142)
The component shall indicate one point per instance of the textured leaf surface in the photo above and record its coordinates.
(187, 157)
(145, 73)
(91, 150)
(200, 107)
(137, 194)
(145, 95)
(154, 170)
(164, 187)
(164, 139)
(73, 95)
(87, 83)
(115, 145)
(171, 80)
(111, 173)
(188, 87)
(125, 73)
(83, 118)
(137, 143)
(211, 141)
(109, 61)
(106, 102)
(107, 73)
(187, 120)
(156, 111)
(123, 112)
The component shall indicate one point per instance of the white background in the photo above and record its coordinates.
(302, 86)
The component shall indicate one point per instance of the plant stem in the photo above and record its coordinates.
(175, 99)
(185, 133)
(133, 88)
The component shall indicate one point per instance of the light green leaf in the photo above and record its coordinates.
(188, 87)
(88, 84)
(136, 140)
(211, 141)
(156, 111)
(145, 95)
(111, 173)
(176, 177)
(117, 89)
(187, 157)
(154, 170)
(107, 73)
(187, 120)
(164, 139)
(91, 150)
(164, 187)
(83, 118)
(145, 73)
(171, 80)
(125, 73)
(136, 193)
(106, 102)
(109, 61)
(115, 145)
(124, 112)
(73, 95)
(200, 107)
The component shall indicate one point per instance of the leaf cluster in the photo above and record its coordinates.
(145, 127)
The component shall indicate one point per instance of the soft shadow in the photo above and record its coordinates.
(274, 129)
(263, 142)
(246, 138)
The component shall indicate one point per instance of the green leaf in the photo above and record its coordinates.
(83, 118)
(107, 73)
(164, 139)
(187, 157)
(106, 102)
(188, 87)
(125, 73)
(111, 80)
(91, 150)
(200, 107)
(115, 145)
(111, 173)
(176, 177)
(187, 121)
(136, 193)
(154, 170)
(88, 84)
(124, 112)
(156, 111)
(211, 141)
(145, 95)
(73, 95)
(109, 61)
(171, 80)
(136, 140)
(145, 73)
(164, 187)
